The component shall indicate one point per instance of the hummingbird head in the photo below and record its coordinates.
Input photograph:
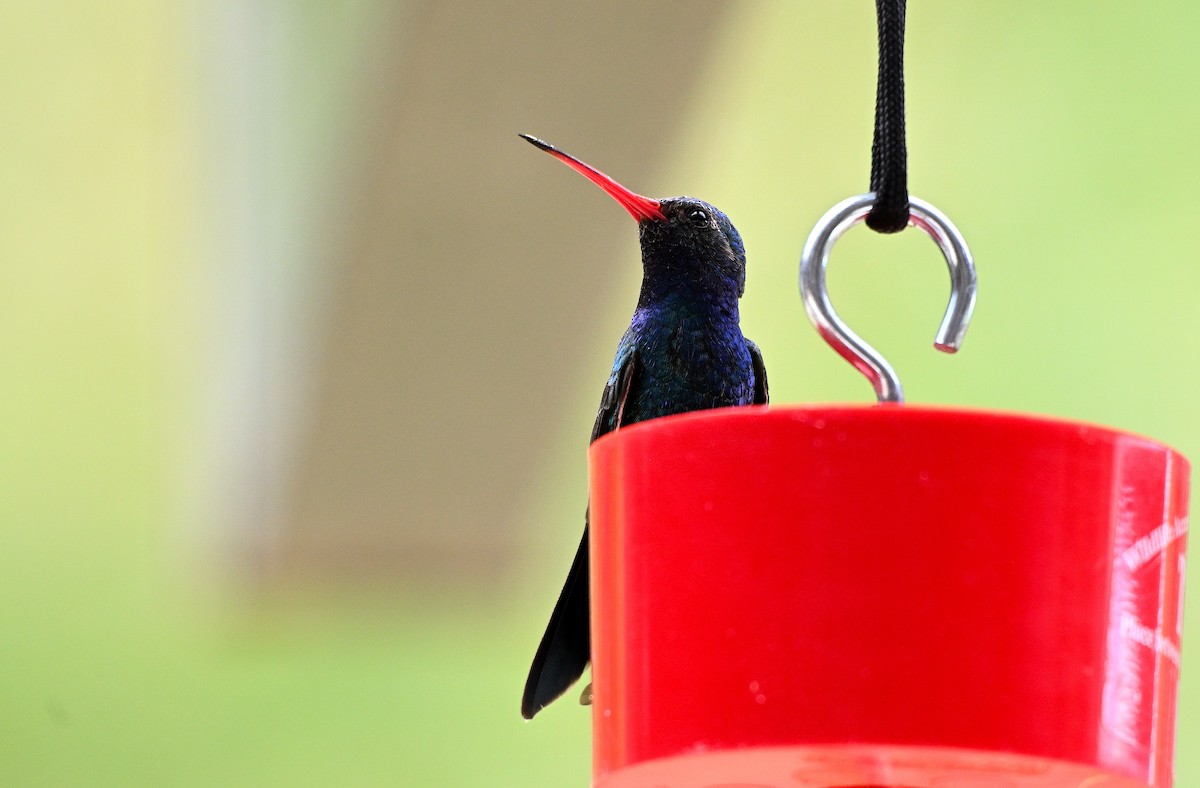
(696, 239)
(684, 241)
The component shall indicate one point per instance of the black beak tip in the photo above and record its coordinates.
(532, 140)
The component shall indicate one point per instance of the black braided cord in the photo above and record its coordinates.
(889, 155)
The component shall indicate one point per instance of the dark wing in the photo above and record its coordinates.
(566, 647)
(760, 375)
(616, 393)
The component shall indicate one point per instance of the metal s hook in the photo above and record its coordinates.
(849, 345)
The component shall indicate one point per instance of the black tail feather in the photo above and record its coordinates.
(566, 647)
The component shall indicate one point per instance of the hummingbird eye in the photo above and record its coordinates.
(698, 217)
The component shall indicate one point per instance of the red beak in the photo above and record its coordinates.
(641, 207)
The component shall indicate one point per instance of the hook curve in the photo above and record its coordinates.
(815, 258)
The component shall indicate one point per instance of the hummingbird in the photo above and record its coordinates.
(683, 351)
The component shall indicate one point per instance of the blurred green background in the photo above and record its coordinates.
(301, 345)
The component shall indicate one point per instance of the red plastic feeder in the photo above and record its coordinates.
(884, 596)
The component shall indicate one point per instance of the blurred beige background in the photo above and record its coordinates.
(303, 344)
